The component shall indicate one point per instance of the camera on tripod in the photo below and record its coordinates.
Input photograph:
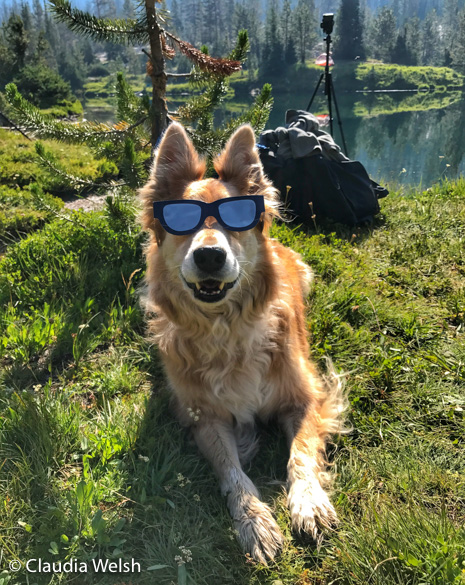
(327, 23)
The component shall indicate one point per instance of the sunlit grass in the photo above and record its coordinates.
(93, 462)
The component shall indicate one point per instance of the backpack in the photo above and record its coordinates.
(323, 187)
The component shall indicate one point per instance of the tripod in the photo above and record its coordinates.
(330, 93)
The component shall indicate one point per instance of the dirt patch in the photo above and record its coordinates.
(89, 203)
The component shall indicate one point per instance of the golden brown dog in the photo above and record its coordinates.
(244, 353)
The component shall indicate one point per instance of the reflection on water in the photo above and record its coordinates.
(99, 111)
(409, 138)
(411, 144)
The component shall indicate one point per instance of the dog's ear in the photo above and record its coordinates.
(239, 163)
(176, 165)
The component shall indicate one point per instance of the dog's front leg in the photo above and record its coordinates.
(308, 502)
(257, 530)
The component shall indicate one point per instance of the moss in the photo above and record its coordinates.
(19, 166)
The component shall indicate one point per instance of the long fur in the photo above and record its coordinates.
(246, 357)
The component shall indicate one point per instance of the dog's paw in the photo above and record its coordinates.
(258, 532)
(310, 508)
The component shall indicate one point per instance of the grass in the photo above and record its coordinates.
(19, 167)
(64, 109)
(93, 464)
(393, 76)
(106, 86)
(356, 76)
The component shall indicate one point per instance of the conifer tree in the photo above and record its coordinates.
(458, 48)
(401, 54)
(147, 28)
(130, 142)
(303, 27)
(414, 38)
(273, 59)
(430, 40)
(288, 39)
(17, 39)
(349, 42)
(383, 35)
(38, 12)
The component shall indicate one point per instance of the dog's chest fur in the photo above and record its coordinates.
(225, 369)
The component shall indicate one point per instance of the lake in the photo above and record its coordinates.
(408, 138)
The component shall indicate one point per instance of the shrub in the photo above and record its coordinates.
(98, 71)
(42, 86)
(23, 210)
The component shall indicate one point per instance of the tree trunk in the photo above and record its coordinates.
(159, 112)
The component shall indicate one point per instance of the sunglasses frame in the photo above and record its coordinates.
(209, 210)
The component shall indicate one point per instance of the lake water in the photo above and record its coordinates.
(400, 137)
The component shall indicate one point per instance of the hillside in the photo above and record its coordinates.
(124, 481)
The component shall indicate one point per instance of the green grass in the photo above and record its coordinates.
(24, 210)
(356, 76)
(64, 109)
(393, 76)
(106, 86)
(19, 168)
(94, 464)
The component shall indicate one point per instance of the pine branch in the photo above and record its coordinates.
(47, 161)
(257, 115)
(132, 166)
(168, 51)
(46, 126)
(14, 127)
(216, 67)
(122, 31)
(130, 107)
(198, 106)
(199, 78)
(199, 109)
(239, 53)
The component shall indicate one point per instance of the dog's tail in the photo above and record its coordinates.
(332, 415)
(334, 404)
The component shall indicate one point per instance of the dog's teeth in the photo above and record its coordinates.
(221, 286)
(197, 285)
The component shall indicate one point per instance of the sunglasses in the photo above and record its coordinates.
(180, 217)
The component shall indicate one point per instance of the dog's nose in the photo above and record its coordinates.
(210, 260)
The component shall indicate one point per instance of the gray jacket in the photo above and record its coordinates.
(301, 137)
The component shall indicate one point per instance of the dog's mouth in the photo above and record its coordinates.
(210, 291)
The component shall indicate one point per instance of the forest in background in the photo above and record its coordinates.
(49, 63)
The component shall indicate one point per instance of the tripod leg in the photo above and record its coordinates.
(314, 93)
(337, 114)
(329, 90)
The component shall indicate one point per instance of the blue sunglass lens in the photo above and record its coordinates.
(238, 213)
(181, 217)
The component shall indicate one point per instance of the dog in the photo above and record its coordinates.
(228, 314)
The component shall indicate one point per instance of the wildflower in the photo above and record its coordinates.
(184, 557)
(197, 497)
(144, 458)
(194, 414)
(182, 481)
